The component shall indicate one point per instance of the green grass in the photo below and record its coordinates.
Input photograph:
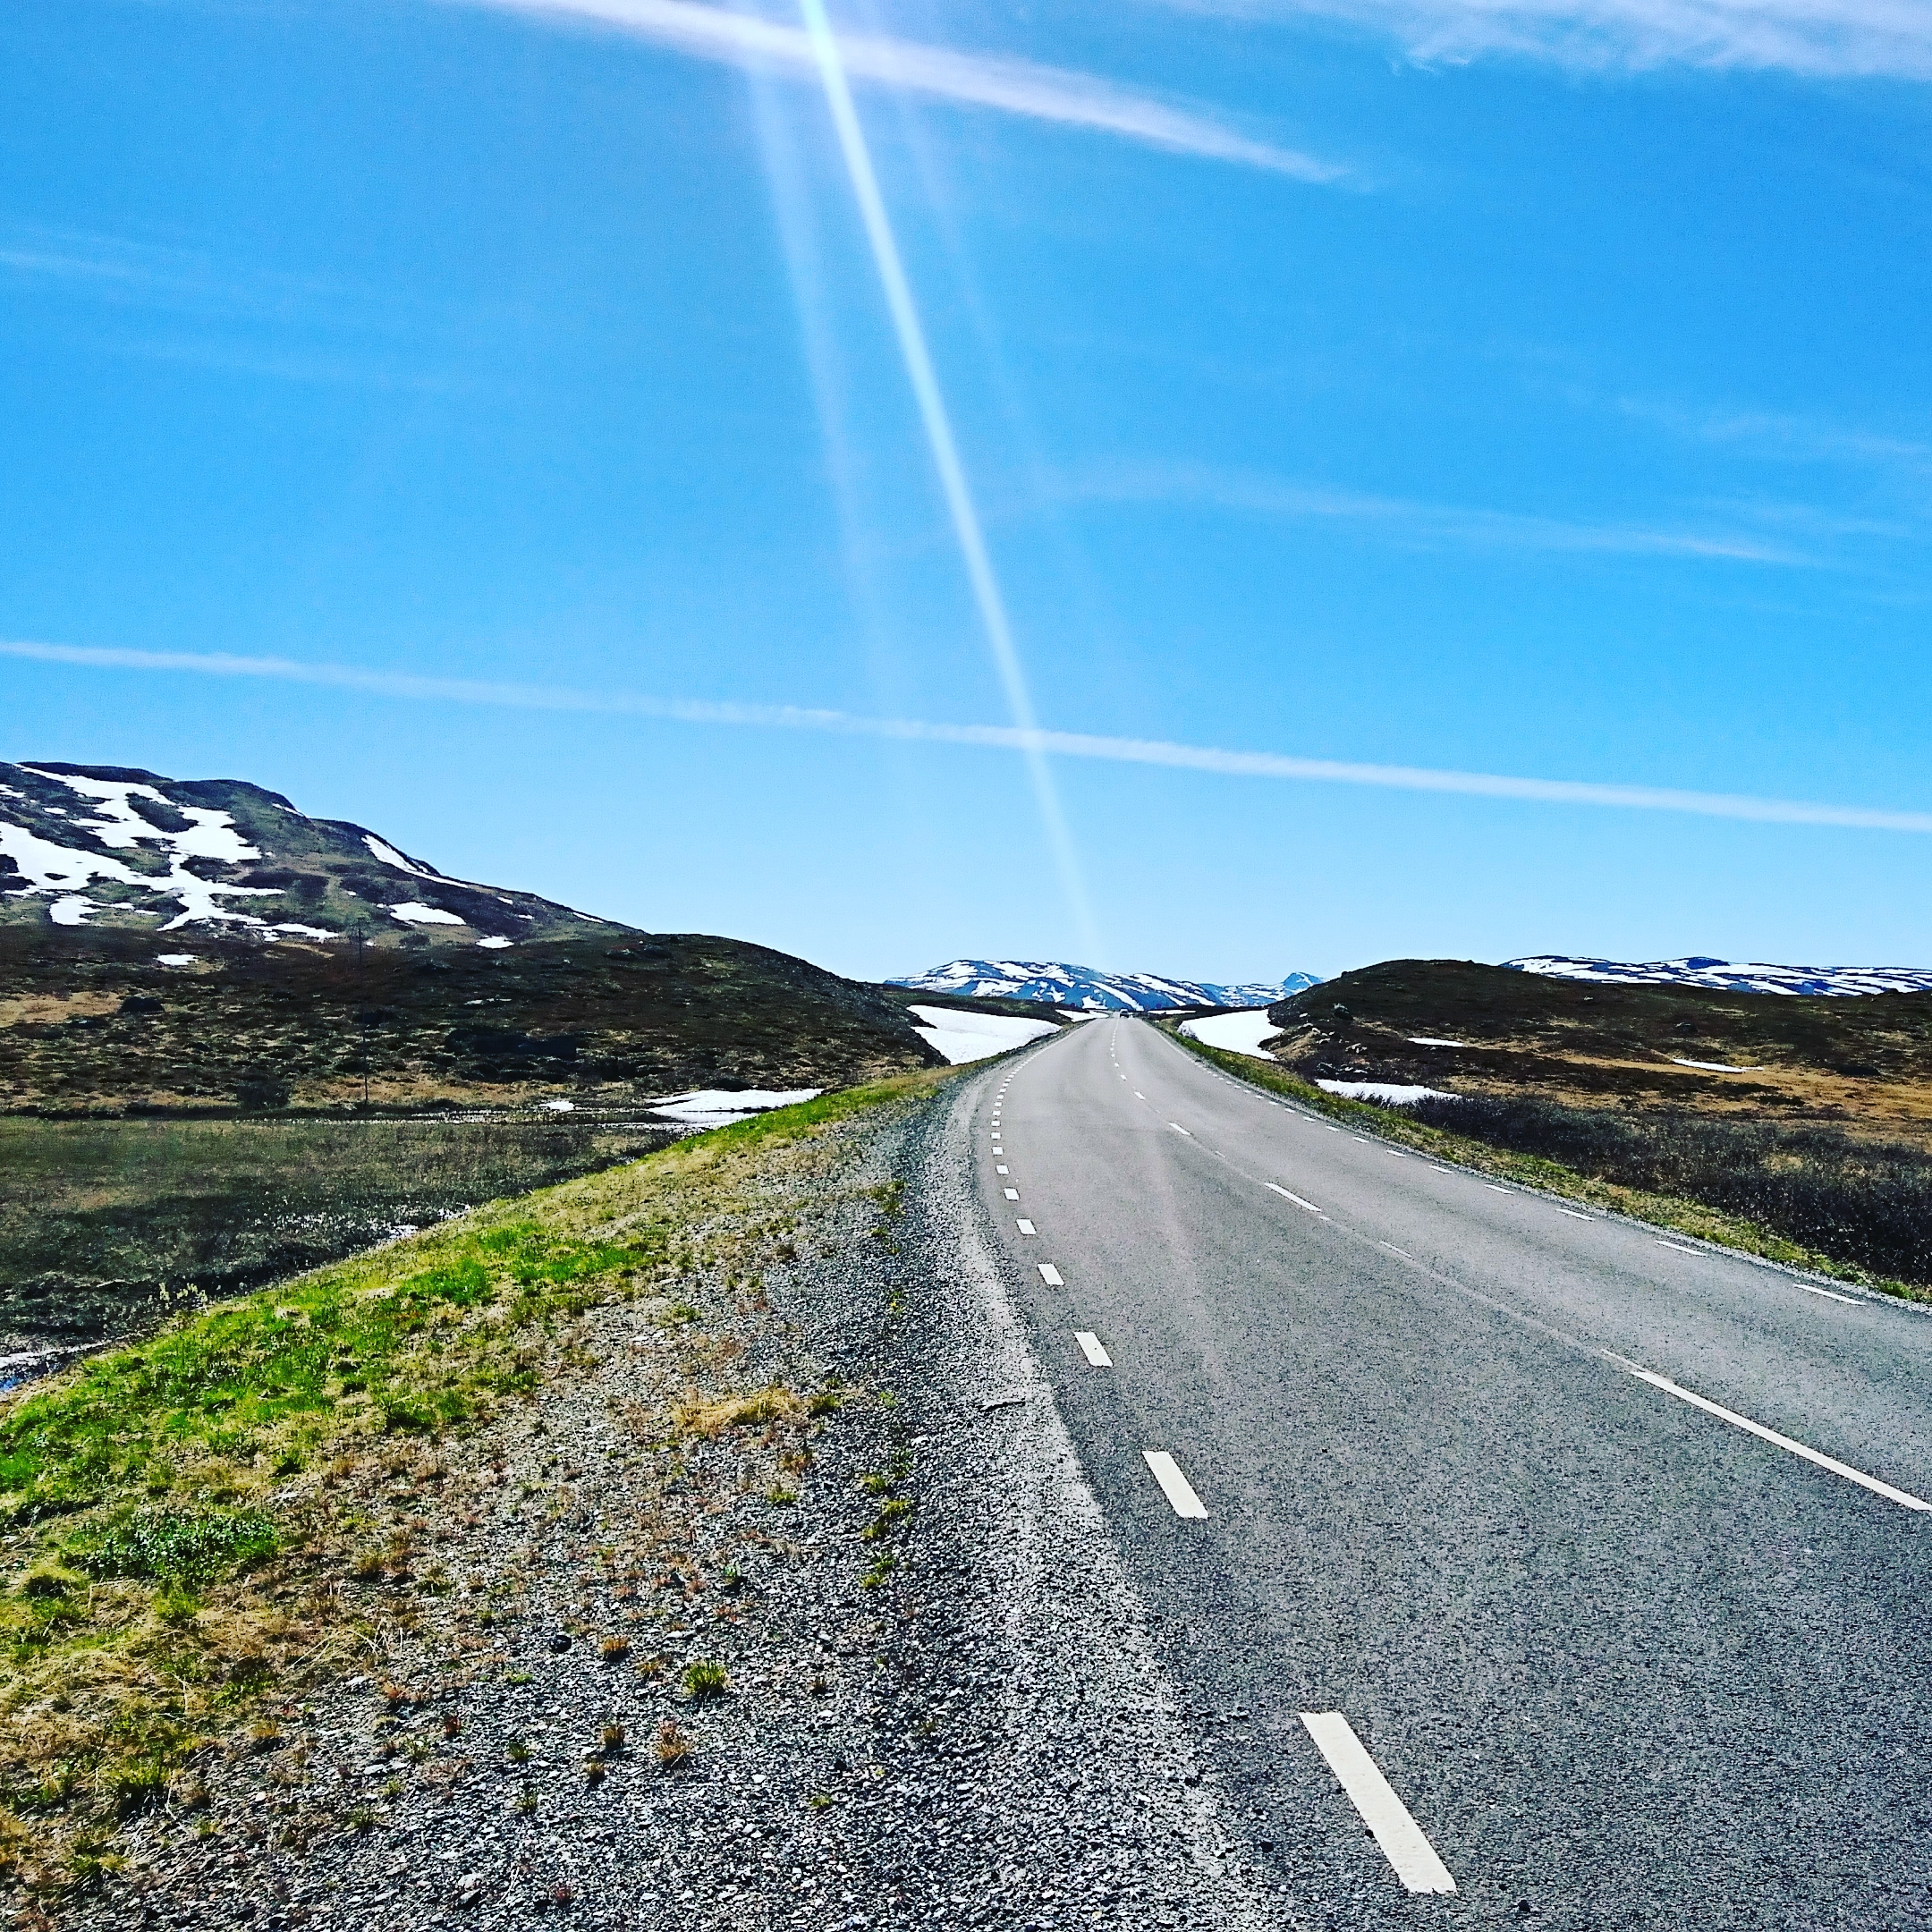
(1675, 1212)
(176, 1549)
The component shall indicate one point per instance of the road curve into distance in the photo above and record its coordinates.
(1526, 1566)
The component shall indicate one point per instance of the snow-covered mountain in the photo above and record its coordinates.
(1723, 976)
(105, 845)
(1090, 990)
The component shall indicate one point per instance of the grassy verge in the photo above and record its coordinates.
(1672, 1211)
(195, 1528)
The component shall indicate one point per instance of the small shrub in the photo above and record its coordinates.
(674, 1746)
(611, 1739)
(705, 1679)
(615, 1649)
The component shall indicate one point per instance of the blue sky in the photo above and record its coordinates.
(1538, 388)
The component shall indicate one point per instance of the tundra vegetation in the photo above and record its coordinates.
(197, 1529)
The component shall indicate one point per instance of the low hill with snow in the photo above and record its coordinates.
(1087, 989)
(104, 845)
(1721, 976)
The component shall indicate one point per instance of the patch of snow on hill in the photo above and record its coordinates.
(59, 869)
(390, 856)
(413, 913)
(1234, 1032)
(1724, 977)
(1712, 1066)
(962, 1037)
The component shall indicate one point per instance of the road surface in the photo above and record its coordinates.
(1597, 1563)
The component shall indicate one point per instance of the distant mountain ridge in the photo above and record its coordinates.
(110, 845)
(1723, 976)
(1089, 990)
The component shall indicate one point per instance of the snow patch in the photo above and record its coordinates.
(55, 869)
(390, 856)
(962, 1037)
(1712, 1066)
(175, 959)
(493, 944)
(711, 1107)
(1377, 1090)
(1423, 1040)
(558, 1106)
(71, 911)
(413, 913)
(1234, 1032)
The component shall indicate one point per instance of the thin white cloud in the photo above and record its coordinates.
(1008, 86)
(1419, 525)
(1779, 436)
(988, 737)
(1817, 39)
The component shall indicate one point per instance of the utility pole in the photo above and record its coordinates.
(362, 1018)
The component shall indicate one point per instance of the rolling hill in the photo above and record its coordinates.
(1086, 990)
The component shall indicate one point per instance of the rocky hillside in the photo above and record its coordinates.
(114, 1020)
(109, 846)
(1490, 1030)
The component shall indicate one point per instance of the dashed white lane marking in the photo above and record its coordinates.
(1097, 1356)
(1296, 1199)
(1138, 1095)
(1012, 1193)
(999, 1170)
(1050, 1274)
(1382, 1811)
(1393, 1249)
(1175, 1486)
(1900, 1497)
(1331, 1130)
(1809, 1287)
(1395, 1154)
(1027, 1227)
(1179, 1128)
(1494, 1189)
(1849, 1300)
(1574, 1216)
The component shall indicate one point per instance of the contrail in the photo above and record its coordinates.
(1008, 86)
(1032, 741)
(946, 456)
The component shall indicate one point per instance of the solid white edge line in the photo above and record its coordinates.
(1050, 1274)
(1296, 1199)
(1175, 1486)
(1385, 1814)
(1089, 1342)
(1903, 1497)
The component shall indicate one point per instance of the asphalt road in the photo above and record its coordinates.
(1619, 1660)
